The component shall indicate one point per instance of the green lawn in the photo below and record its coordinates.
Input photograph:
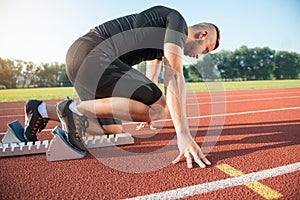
(61, 93)
(36, 93)
(244, 85)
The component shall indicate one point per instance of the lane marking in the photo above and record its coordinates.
(264, 191)
(210, 96)
(261, 189)
(242, 95)
(6, 116)
(202, 103)
(12, 108)
(221, 184)
(215, 115)
(229, 114)
(247, 112)
(243, 100)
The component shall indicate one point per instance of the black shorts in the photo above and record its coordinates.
(95, 75)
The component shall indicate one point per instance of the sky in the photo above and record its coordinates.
(43, 30)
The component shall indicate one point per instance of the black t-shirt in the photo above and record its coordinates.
(139, 37)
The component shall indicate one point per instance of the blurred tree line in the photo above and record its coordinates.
(255, 64)
(23, 74)
(242, 64)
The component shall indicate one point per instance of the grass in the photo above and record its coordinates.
(36, 93)
(61, 93)
(243, 85)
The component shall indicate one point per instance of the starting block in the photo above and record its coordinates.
(14, 133)
(60, 149)
(14, 143)
(17, 149)
(108, 140)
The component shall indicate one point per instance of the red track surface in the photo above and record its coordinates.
(249, 142)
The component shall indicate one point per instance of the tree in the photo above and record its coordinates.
(186, 73)
(287, 65)
(242, 62)
(49, 74)
(63, 78)
(194, 75)
(246, 63)
(224, 63)
(262, 64)
(204, 70)
(9, 73)
(28, 73)
(141, 67)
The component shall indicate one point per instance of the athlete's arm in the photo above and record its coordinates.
(153, 68)
(176, 101)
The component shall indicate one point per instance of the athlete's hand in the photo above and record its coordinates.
(191, 151)
(144, 125)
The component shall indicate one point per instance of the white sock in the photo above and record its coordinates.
(42, 110)
(73, 108)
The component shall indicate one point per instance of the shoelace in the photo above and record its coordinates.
(39, 125)
(81, 125)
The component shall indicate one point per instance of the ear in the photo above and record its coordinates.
(201, 35)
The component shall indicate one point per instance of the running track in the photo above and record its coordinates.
(259, 139)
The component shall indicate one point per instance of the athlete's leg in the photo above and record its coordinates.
(117, 107)
(37, 115)
(108, 88)
(51, 110)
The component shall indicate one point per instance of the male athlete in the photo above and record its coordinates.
(99, 66)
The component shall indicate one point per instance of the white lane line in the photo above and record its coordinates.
(203, 103)
(6, 116)
(221, 184)
(244, 100)
(241, 95)
(210, 96)
(16, 108)
(215, 115)
(246, 112)
(229, 114)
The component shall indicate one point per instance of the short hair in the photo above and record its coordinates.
(205, 24)
(218, 37)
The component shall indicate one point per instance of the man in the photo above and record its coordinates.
(99, 65)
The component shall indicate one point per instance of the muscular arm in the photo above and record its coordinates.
(175, 88)
(176, 101)
(153, 68)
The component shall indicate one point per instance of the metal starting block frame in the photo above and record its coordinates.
(108, 140)
(60, 149)
(14, 133)
(22, 148)
(14, 143)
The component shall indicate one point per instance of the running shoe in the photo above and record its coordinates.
(73, 124)
(34, 122)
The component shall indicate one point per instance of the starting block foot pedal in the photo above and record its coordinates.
(60, 149)
(14, 143)
(22, 148)
(14, 133)
(109, 140)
